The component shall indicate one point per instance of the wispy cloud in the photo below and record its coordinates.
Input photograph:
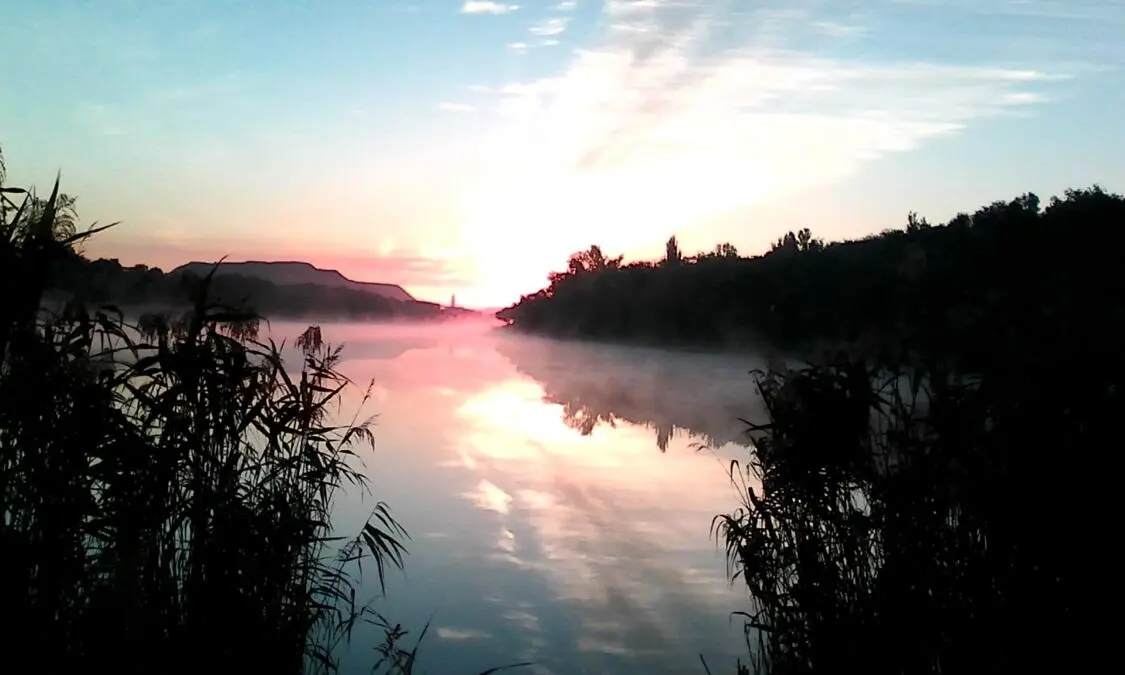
(455, 107)
(683, 111)
(518, 47)
(550, 26)
(487, 7)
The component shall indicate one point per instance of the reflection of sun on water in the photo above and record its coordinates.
(513, 421)
(617, 528)
(513, 406)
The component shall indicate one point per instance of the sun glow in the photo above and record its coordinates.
(516, 230)
(517, 407)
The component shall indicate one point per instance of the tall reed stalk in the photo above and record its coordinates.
(166, 487)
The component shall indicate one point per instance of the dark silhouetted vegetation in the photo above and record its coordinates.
(978, 282)
(166, 486)
(921, 500)
(915, 520)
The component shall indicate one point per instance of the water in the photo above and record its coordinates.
(559, 507)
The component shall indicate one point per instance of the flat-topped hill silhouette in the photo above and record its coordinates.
(294, 273)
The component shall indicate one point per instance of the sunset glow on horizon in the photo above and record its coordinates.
(467, 148)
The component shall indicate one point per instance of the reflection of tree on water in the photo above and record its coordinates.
(380, 349)
(701, 396)
(584, 418)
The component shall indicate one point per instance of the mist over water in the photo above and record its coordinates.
(559, 496)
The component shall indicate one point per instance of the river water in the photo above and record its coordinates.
(559, 496)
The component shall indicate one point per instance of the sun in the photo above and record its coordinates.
(519, 225)
(512, 239)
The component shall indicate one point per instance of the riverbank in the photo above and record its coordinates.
(1012, 276)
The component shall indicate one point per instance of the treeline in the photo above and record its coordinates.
(1009, 268)
(107, 281)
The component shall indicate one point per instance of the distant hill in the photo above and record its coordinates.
(295, 273)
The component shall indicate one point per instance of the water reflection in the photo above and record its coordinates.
(393, 340)
(619, 531)
(546, 524)
(702, 395)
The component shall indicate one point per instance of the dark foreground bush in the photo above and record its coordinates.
(912, 521)
(166, 488)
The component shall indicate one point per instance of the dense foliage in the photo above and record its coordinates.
(1010, 269)
(912, 520)
(166, 487)
(107, 281)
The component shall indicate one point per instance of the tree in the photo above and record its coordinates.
(592, 260)
(584, 262)
(785, 243)
(914, 223)
(672, 253)
(725, 250)
(806, 242)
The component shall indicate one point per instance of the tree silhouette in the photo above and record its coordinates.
(672, 254)
(962, 287)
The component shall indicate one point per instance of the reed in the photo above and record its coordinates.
(893, 520)
(166, 486)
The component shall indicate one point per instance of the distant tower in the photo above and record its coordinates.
(453, 300)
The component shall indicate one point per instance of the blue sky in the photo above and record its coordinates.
(469, 147)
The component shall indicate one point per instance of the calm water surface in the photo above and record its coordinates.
(556, 495)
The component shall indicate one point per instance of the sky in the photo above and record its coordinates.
(468, 147)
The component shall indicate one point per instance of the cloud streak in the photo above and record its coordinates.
(554, 25)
